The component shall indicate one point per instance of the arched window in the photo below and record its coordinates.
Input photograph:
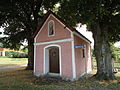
(51, 28)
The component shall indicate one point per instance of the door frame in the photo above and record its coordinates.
(46, 59)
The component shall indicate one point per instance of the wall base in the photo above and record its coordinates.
(38, 74)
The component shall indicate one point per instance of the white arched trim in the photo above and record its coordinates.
(49, 28)
(46, 58)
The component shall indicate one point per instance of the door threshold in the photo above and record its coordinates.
(54, 74)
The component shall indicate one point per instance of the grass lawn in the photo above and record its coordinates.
(20, 79)
(4, 61)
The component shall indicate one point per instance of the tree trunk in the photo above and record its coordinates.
(103, 54)
(30, 65)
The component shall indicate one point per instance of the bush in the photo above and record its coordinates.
(15, 54)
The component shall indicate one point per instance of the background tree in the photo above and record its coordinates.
(20, 18)
(102, 18)
(115, 52)
(1, 45)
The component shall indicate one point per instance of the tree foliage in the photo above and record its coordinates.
(21, 19)
(102, 18)
(90, 12)
(1, 45)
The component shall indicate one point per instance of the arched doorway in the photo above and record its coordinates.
(52, 59)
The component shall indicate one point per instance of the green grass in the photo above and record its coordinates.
(4, 61)
(117, 63)
(20, 79)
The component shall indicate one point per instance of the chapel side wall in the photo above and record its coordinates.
(81, 67)
(66, 59)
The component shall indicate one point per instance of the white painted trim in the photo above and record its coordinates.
(73, 58)
(53, 28)
(34, 57)
(61, 23)
(3, 53)
(42, 27)
(85, 59)
(46, 58)
(54, 74)
(82, 74)
(55, 41)
(85, 73)
(38, 74)
(81, 37)
(45, 48)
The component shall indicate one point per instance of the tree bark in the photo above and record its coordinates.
(30, 65)
(103, 54)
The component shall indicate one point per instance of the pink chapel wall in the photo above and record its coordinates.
(66, 58)
(60, 32)
(79, 60)
(66, 50)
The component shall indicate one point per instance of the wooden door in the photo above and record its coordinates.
(54, 60)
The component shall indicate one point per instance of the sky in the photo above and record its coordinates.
(117, 44)
(1, 30)
(86, 33)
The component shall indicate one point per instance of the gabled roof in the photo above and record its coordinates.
(71, 28)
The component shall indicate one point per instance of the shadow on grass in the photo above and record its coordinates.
(21, 79)
(84, 83)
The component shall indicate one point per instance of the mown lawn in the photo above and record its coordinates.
(5, 61)
(21, 79)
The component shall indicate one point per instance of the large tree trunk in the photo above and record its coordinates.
(30, 65)
(103, 54)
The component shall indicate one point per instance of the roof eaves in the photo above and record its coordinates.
(44, 19)
(82, 36)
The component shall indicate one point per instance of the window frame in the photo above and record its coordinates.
(49, 28)
(84, 52)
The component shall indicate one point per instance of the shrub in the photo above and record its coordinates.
(15, 54)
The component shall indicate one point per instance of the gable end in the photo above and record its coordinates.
(47, 16)
(57, 18)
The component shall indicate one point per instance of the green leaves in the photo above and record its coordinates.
(21, 18)
(104, 12)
